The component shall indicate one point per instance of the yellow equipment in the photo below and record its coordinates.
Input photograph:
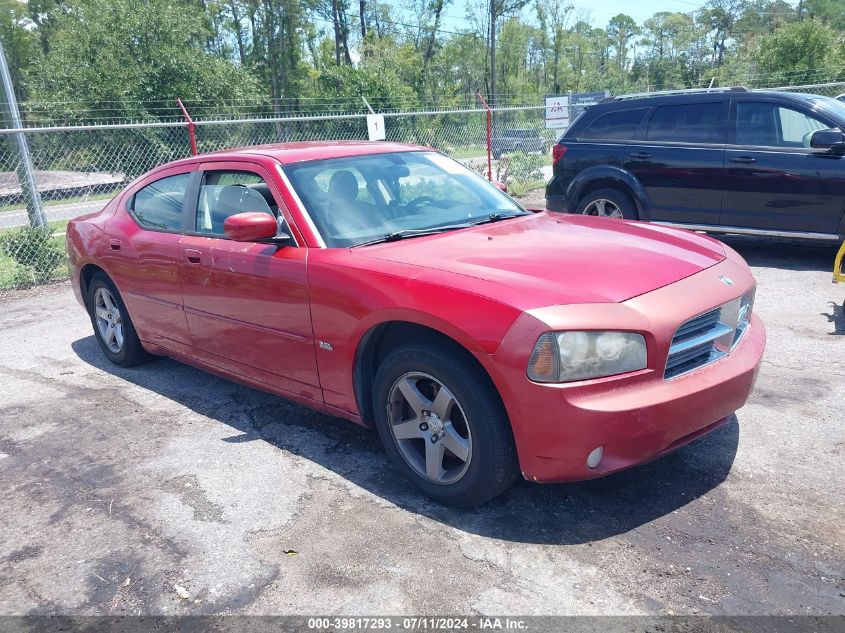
(838, 275)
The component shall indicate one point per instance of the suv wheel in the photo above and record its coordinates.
(608, 203)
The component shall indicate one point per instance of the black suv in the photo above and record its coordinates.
(730, 161)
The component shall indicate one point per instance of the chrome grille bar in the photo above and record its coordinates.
(708, 337)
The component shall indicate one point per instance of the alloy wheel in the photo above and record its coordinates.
(603, 208)
(109, 320)
(429, 427)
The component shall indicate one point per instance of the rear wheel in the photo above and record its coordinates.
(443, 425)
(608, 203)
(112, 326)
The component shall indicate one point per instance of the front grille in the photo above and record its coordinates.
(708, 337)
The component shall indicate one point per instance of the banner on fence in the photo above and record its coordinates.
(557, 112)
(561, 110)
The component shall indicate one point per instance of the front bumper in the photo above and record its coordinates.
(640, 416)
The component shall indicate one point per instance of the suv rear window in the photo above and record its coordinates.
(615, 126)
(693, 123)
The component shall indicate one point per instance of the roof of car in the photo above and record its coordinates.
(694, 96)
(311, 150)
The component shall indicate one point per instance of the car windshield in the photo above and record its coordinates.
(362, 199)
(831, 107)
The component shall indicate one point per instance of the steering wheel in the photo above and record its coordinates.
(420, 200)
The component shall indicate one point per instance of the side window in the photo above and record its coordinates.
(693, 123)
(797, 128)
(615, 126)
(159, 205)
(772, 125)
(225, 193)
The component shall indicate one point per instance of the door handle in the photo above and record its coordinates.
(114, 245)
(744, 159)
(640, 155)
(192, 256)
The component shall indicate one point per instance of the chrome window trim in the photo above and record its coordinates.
(302, 210)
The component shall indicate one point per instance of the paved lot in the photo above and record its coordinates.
(163, 489)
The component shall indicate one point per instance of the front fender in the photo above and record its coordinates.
(608, 176)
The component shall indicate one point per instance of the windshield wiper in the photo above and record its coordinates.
(496, 217)
(405, 233)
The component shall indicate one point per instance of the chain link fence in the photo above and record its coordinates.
(77, 169)
(833, 89)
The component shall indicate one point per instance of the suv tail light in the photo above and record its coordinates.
(558, 151)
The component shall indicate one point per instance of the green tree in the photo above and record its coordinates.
(118, 56)
(830, 11)
(805, 51)
(19, 42)
(553, 17)
(622, 29)
(668, 38)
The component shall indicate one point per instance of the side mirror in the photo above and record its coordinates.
(832, 141)
(500, 186)
(253, 227)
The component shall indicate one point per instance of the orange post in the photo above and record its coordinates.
(192, 128)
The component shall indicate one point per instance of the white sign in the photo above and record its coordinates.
(557, 113)
(375, 126)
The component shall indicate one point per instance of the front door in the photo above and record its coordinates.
(247, 303)
(679, 161)
(773, 180)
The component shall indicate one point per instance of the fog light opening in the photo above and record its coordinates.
(594, 458)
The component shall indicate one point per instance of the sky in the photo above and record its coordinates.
(600, 11)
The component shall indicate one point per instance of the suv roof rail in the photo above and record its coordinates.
(663, 93)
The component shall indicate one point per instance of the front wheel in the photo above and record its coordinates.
(608, 203)
(443, 425)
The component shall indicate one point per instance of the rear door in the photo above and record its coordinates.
(247, 302)
(773, 180)
(144, 262)
(678, 158)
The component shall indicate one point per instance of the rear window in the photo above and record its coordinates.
(159, 204)
(615, 126)
(693, 123)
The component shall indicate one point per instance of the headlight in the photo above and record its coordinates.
(568, 356)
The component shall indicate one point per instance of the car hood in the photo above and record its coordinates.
(561, 259)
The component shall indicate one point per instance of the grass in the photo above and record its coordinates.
(10, 273)
(520, 188)
(468, 151)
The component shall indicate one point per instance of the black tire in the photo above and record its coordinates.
(619, 198)
(131, 352)
(493, 462)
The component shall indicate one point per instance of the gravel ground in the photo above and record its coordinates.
(165, 490)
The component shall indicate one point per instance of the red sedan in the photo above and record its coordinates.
(390, 285)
